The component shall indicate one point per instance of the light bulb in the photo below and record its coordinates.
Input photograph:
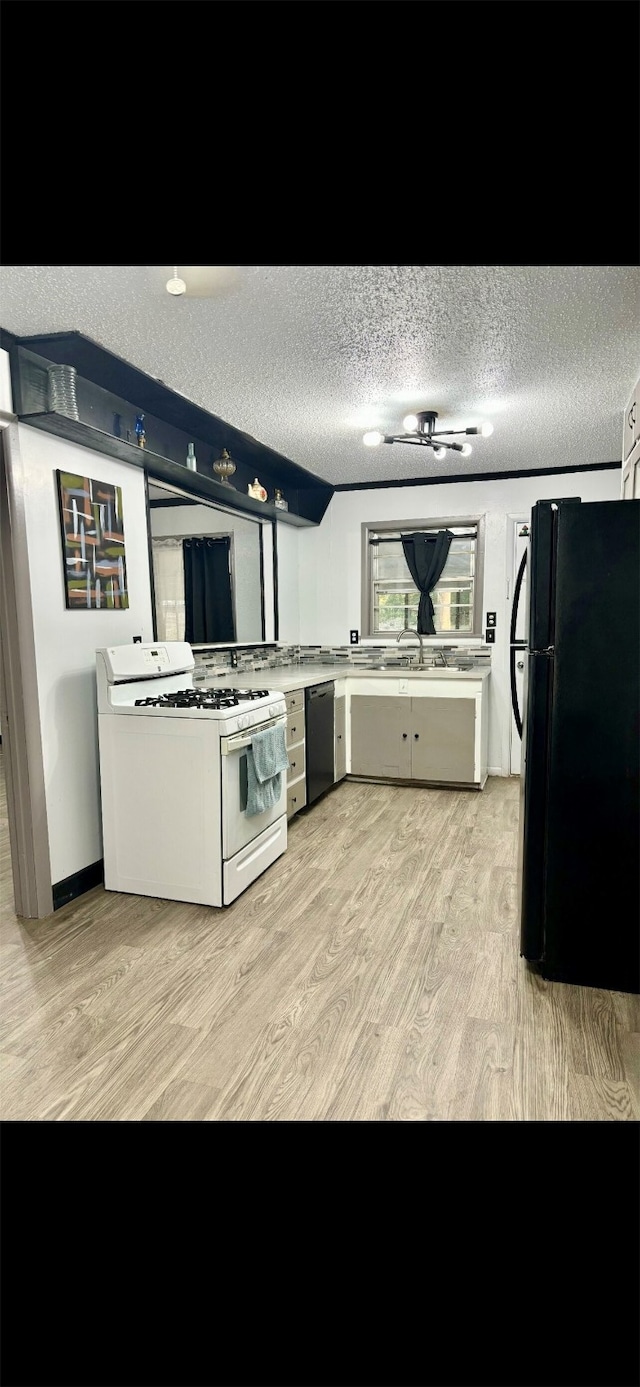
(410, 423)
(373, 439)
(466, 449)
(486, 429)
(440, 452)
(176, 286)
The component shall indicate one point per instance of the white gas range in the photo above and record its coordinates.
(174, 780)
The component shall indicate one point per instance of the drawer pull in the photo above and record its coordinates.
(416, 736)
(404, 736)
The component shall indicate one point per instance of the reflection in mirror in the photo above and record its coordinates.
(210, 571)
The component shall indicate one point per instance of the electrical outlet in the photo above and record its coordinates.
(137, 640)
(353, 637)
(491, 618)
(490, 635)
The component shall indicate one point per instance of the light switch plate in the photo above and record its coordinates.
(490, 635)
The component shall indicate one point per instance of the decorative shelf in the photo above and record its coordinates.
(161, 468)
(107, 385)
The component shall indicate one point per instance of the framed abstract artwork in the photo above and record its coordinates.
(93, 551)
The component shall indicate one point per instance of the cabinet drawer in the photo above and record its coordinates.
(296, 798)
(294, 700)
(295, 728)
(296, 762)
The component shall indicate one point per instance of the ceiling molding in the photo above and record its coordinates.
(478, 476)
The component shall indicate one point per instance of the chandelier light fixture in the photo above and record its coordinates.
(421, 431)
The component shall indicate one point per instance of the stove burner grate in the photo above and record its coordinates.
(202, 698)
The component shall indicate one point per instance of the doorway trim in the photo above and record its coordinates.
(19, 707)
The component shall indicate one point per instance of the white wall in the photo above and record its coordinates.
(330, 560)
(288, 584)
(66, 641)
(204, 520)
(5, 383)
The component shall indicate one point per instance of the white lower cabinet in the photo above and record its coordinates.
(440, 738)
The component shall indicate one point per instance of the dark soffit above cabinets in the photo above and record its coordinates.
(307, 495)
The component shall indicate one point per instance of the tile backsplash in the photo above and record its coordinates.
(228, 662)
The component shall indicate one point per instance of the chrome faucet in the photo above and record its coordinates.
(408, 631)
(441, 654)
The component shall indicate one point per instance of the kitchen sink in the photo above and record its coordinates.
(426, 669)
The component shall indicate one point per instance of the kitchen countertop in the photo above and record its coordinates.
(290, 677)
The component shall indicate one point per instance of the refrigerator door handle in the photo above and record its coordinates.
(512, 650)
(516, 598)
(514, 691)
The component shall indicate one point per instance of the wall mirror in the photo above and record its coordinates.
(212, 571)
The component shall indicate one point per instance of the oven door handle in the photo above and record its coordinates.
(243, 739)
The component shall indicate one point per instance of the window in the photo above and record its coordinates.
(390, 597)
(168, 575)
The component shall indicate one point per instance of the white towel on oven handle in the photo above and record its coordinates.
(263, 791)
(269, 750)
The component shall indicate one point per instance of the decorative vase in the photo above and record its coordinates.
(192, 462)
(224, 467)
(256, 490)
(279, 500)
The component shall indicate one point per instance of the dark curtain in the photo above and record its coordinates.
(207, 591)
(426, 557)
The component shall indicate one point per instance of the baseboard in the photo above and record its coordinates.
(76, 885)
(497, 770)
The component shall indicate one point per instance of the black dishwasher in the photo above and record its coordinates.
(319, 739)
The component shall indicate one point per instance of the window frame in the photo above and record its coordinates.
(410, 526)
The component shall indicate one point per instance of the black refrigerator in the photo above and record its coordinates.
(578, 865)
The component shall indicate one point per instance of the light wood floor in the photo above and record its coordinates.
(372, 974)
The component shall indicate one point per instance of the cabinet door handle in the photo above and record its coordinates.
(416, 736)
(404, 736)
(339, 736)
(294, 729)
(293, 765)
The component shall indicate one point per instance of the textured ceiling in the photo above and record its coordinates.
(307, 357)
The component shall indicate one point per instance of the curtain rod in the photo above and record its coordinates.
(471, 534)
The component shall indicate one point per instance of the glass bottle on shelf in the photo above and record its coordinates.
(191, 459)
(141, 436)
